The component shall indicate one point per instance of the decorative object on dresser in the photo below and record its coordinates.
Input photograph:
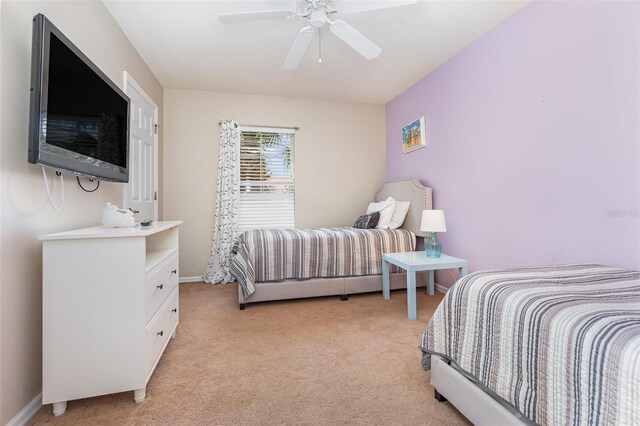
(113, 217)
(413, 262)
(432, 222)
(110, 305)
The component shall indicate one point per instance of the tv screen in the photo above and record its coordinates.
(79, 117)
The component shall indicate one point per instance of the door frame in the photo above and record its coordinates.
(130, 82)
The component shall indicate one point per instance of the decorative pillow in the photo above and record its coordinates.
(386, 209)
(367, 221)
(399, 214)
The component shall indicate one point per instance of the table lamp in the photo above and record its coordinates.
(432, 222)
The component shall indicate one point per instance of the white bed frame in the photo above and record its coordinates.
(404, 190)
(473, 402)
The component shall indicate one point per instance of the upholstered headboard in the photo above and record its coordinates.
(409, 190)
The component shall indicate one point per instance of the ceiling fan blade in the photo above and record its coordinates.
(355, 39)
(299, 47)
(259, 15)
(346, 7)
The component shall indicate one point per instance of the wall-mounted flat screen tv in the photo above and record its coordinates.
(78, 117)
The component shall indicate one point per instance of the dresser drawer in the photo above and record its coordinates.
(159, 285)
(160, 329)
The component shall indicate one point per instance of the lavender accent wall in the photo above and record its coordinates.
(533, 139)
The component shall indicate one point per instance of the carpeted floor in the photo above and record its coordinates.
(314, 361)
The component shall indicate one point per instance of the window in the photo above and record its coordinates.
(267, 192)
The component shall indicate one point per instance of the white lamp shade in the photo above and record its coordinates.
(433, 221)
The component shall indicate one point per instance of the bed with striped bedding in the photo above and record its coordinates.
(558, 345)
(266, 255)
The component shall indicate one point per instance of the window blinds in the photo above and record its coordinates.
(267, 192)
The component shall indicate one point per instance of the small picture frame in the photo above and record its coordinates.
(413, 136)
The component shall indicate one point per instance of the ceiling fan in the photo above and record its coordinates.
(318, 13)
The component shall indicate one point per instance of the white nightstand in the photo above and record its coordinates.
(412, 262)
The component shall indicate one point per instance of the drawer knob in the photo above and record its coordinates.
(174, 310)
(161, 286)
(161, 333)
(175, 271)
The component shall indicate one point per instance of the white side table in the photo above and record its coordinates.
(412, 262)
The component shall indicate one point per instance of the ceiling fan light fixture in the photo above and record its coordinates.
(318, 17)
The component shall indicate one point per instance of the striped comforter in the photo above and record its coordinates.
(560, 344)
(279, 254)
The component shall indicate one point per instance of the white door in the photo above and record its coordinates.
(141, 193)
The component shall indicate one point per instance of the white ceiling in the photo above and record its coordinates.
(186, 47)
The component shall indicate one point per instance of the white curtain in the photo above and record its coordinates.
(225, 222)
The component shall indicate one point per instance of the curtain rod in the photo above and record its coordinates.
(271, 127)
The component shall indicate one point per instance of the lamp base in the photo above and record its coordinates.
(432, 246)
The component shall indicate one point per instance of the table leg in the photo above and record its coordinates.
(430, 283)
(411, 295)
(386, 293)
(463, 271)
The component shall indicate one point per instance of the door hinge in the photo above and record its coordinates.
(155, 129)
(155, 196)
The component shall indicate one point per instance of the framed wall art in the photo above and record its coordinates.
(413, 136)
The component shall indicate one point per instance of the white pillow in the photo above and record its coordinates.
(399, 214)
(386, 209)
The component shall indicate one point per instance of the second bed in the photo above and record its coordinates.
(290, 264)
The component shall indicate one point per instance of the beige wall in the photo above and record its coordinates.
(26, 212)
(339, 160)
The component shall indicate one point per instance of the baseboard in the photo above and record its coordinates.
(196, 279)
(441, 288)
(27, 413)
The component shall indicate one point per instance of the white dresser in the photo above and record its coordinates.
(110, 307)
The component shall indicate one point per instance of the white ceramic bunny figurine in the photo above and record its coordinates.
(113, 217)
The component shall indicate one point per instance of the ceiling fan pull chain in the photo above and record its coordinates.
(319, 45)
